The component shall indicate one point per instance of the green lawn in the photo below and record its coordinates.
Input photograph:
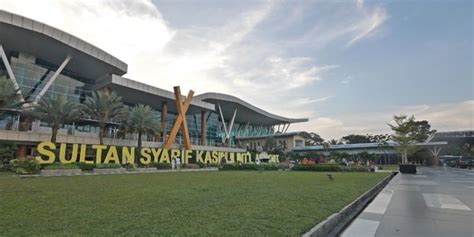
(228, 203)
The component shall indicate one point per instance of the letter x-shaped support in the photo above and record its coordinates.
(180, 119)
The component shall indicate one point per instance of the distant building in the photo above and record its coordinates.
(285, 141)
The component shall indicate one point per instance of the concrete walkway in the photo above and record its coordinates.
(434, 202)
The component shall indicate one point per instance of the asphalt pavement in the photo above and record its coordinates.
(435, 202)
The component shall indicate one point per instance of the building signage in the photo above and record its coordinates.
(96, 154)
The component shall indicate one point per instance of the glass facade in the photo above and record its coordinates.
(32, 77)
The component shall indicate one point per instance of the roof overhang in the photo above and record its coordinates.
(134, 92)
(245, 111)
(277, 135)
(21, 34)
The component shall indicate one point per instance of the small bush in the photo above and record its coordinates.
(161, 166)
(59, 166)
(315, 167)
(354, 168)
(271, 166)
(26, 165)
(108, 166)
(284, 165)
(129, 166)
(201, 164)
(85, 166)
(192, 166)
(7, 153)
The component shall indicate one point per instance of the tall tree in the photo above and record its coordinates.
(356, 138)
(56, 111)
(8, 96)
(403, 136)
(141, 120)
(420, 130)
(314, 139)
(334, 142)
(104, 107)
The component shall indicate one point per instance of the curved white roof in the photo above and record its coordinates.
(38, 39)
(245, 111)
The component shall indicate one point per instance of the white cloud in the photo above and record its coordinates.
(133, 31)
(442, 117)
(307, 100)
(373, 20)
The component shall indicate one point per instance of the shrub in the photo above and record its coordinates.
(192, 166)
(26, 165)
(161, 166)
(201, 164)
(248, 166)
(227, 166)
(108, 166)
(354, 168)
(284, 165)
(129, 166)
(59, 166)
(271, 166)
(315, 167)
(7, 153)
(85, 166)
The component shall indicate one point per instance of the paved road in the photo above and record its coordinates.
(435, 202)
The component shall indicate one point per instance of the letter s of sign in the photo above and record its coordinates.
(42, 150)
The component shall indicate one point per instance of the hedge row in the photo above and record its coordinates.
(329, 168)
(317, 167)
(248, 166)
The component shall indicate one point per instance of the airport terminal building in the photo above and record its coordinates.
(42, 61)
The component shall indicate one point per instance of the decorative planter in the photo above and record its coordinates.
(407, 169)
(146, 170)
(109, 171)
(61, 172)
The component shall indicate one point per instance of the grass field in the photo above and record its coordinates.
(176, 204)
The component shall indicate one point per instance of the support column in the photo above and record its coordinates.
(203, 128)
(51, 80)
(230, 127)
(3, 55)
(164, 119)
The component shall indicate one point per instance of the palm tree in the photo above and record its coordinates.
(141, 120)
(104, 107)
(8, 96)
(56, 111)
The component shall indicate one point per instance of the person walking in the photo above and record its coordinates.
(178, 163)
(173, 163)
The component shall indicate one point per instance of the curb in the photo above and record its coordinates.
(336, 222)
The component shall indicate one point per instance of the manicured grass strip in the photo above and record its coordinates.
(231, 203)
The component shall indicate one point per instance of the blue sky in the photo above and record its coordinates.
(346, 65)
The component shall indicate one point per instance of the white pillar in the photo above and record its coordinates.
(10, 73)
(51, 80)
